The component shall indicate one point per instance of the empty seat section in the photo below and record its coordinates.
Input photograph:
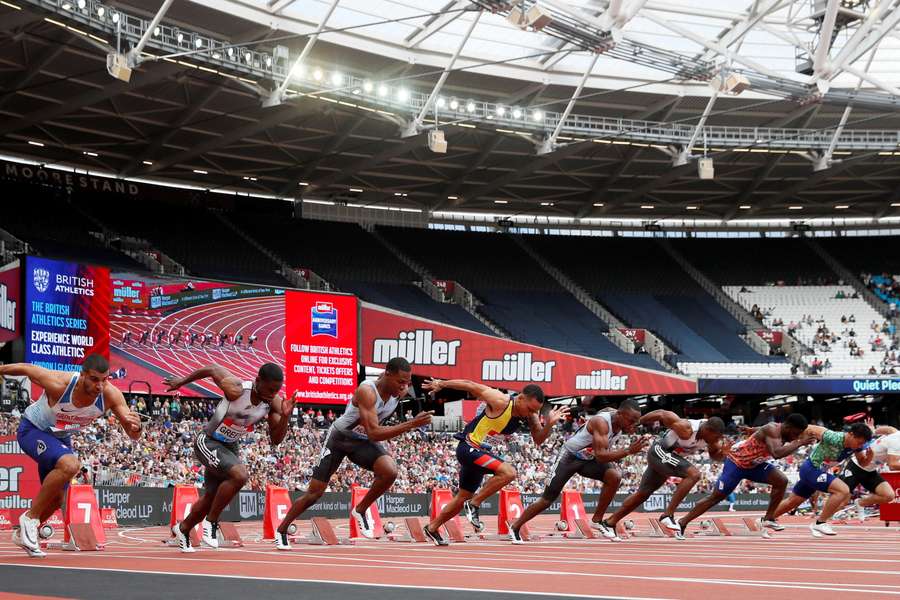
(52, 225)
(349, 257)
(756, 261)
(846, 335)
(192, 236)
(517, 293)
(639, 282)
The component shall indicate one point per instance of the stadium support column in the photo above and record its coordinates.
(119, 65)
(549, 144)
(413, 128)
(277, 95)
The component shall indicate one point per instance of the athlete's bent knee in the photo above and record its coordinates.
(692, 475)
(387, 474)
(69, 465)
(316, 489)
(612, 477)
(507, 472)
(239, 475)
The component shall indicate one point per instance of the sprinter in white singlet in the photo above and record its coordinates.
(244, 405)
(70, 402)
(356, 435)
(588, 452)
(665, 459)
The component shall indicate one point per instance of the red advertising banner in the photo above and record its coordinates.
(635, 335)
(130, 293)
(321, 337)
(10, 304)
(19, 481)
(774, 338)
(444, 351)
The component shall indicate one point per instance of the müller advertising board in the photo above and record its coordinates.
(443, 351)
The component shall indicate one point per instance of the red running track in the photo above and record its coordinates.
(860, 561)
(263, 317)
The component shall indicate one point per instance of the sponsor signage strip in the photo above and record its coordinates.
(860, 385)
(10, 305)
(444, 351)
(153, 506)
(19, 480)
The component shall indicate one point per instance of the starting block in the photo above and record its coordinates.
(578, 529)
(454, 532)
(582, 530)
(81, 536)
(655, 531)
(322, 534)
(751, 528)
(228, 534)
(665, 531)
(195, 538)
(414, 532)
(81, 539)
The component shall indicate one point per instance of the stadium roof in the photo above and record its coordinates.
(199, 119)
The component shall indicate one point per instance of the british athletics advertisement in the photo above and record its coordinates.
(66, 313)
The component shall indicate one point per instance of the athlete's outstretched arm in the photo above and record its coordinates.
(865, 457)
(129, 419)
(364, 399)
(490, 396)
(668, 419)
(230, 385)
(779, 449)
(280, 417)
(815, 431)
(600, 441)
(540, 433)
(54, 382)
(880, 429)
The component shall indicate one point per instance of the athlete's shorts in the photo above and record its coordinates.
(568, 465)
(732, 475)
(474, 464)
(44, 447)
(854, 475)
(338, 444)
(218, 458)
(812, 480)
(662, 464)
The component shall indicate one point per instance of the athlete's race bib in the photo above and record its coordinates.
(71, 422)
(585, 454)
(229, 431)
(359, 432)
